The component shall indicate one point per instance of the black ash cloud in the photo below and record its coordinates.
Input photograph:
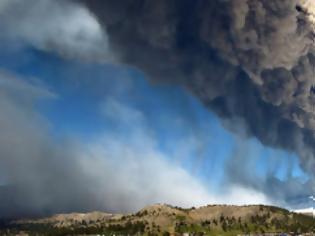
(251, 62)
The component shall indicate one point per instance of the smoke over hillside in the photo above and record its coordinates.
(252, 62)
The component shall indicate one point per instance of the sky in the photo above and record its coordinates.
(82, 129)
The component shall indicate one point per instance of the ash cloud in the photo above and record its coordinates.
(251, 62)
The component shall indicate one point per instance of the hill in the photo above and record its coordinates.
(168, 220)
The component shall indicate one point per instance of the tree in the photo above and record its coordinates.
(165, 233)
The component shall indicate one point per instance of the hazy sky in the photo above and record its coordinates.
(81, 130)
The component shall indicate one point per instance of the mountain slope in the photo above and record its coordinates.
(166, 220)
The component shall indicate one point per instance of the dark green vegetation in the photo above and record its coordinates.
(166, 220)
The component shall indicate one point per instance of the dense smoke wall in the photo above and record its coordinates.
(251, 62)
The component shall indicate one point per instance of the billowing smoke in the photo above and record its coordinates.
(250, 61)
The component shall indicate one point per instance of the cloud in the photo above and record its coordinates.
(11, 84)
(115, 110)
(62, 27)
(116, 171)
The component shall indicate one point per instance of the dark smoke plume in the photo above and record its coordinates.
(249, 61)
